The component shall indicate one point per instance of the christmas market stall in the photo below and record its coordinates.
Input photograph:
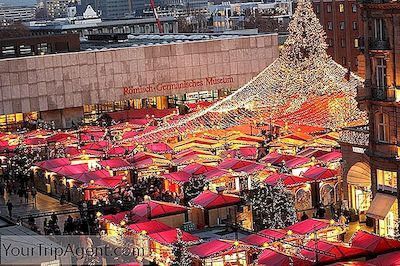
(214, 209)
(321, 228)
(222, 252)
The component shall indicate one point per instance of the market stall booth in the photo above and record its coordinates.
(272, 257)
(373, 243)
(323, 229)
(214, 209)
(118, 166)
(222, 252)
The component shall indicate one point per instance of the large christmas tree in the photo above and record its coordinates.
(182, 256)
(273, 207)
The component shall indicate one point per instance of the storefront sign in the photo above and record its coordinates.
(181, 85)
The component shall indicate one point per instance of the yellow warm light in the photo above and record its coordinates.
(122, 223)
(331, 221)
(98, 214)
(144, 232)
(290, 232)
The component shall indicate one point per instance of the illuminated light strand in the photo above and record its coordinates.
(282, 91)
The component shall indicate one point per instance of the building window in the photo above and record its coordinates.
(343, 43)
(386, 179)
(354, 8)
(329, 8)
(381, 73)
(356, 43)
(330, 25)
(341, 8)
(330, 42)
(382, 124)
(355, 26)
(379, 29)
(317, 9)
(341, 25)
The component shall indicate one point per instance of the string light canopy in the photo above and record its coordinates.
(304, 85)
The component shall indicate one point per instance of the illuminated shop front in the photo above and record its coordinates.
(384, 209)
(12, 122)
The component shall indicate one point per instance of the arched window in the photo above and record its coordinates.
(382, 127)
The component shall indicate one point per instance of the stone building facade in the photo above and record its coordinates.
(59, 85)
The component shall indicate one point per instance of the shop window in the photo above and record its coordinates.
(382, 123)
(341, 8)
(329, 8)
(386, 179)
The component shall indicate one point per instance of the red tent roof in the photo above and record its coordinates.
(116, 163)
(117, 218)
(91, 136)
(297, 161)
(169, 237)
(320, 173)
(70, 170)
(191, 152)
(288, 180)
(332, 251)
(198, 169)
(312, 152)
(35, 141)
(264, 236)
(273, 258)
(97, 146)
(75, 152)
(86, 177)
(177, 177)
(62, 137)
(373, 243)
(330, 157)
(308, 226)
(243, 153)
(213, 248)
(150, 227)
(158, 209)
(53, 163)
(277, 158)
(159, 147)
(117, 151)
(210, 200)
(390, 259)
(241, 165)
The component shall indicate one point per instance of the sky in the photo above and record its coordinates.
(18, 2)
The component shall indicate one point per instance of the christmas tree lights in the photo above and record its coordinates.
(302, 73)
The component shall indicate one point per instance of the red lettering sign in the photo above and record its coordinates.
(181, 85)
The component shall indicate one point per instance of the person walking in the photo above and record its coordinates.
(9, 207)
(34, 193)
(26, 195)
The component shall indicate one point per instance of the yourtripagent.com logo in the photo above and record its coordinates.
(69, 250)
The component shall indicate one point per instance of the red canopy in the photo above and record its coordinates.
(330, 157)
(70, 170)
(288, 180)
(211, 200)
(241, 165)
(150, 227)
(243, 153)
(158, 209)
(308, 226)
(86, 177)
(273, 258)
(169, 237)
(214, 248)
(319, 173)
(53, 163)
(62, 137)
(312, 152)
(390, 259)
(330, 251)
(264, 236)
(97, 146)
(297, 162)
(116, 164)
(35, 141)
(75, 152)
(179, 177)
(129, 134)
(373, 243)
(117, 218)
(117, 151)
(277, 158)
(159, 147)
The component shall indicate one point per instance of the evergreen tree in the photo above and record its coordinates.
(182, 256)
(273, 207)
(194, 187)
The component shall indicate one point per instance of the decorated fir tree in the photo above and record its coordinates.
(194, 187)
(181, 255)
(273, 207)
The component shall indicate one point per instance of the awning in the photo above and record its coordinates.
(359, 175)
(380, 206)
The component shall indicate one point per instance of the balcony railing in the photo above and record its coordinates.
(375, 44)
(358, 136)
(379, 93)
(387, 188)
